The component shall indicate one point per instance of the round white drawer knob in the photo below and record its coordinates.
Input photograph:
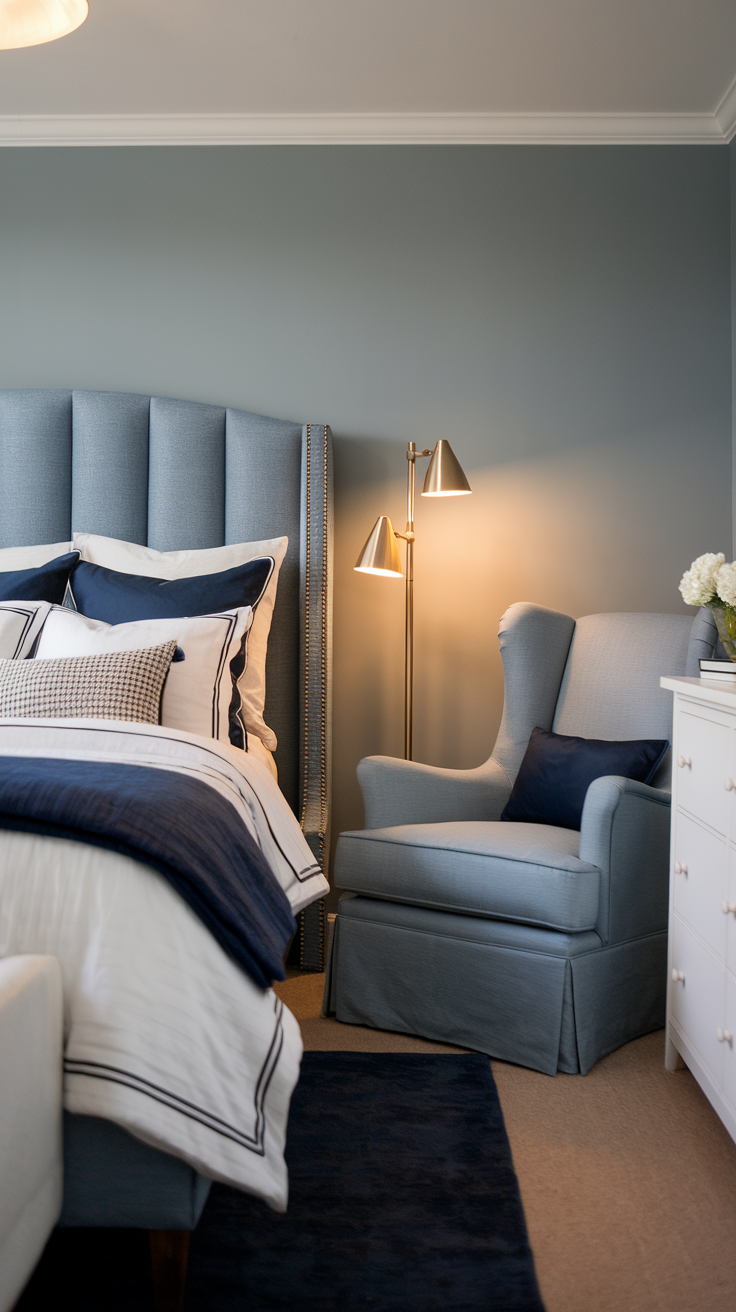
(724, 1036)
(729, 784)
(728, 907)
(678, 976)
(682, 761)
(680, 868)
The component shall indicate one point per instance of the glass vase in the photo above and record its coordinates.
(725, 618)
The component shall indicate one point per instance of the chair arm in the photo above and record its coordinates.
(30, 1115)
(397, 792)
(625, 831)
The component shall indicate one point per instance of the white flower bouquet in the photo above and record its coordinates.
(711, 582)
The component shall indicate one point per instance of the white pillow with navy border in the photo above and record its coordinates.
(132, 558)
(201, 691)
(20, 624)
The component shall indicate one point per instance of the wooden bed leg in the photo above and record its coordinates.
(169, 1252)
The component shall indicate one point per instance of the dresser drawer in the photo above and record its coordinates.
(702, 766)
(729, 902)
(698, 1000)
(699, 874)
(729, 1044)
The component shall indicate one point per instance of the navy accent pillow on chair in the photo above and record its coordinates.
(44, 583)
(557, 771)
(106, 594)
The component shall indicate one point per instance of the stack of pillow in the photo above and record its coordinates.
(198, 622)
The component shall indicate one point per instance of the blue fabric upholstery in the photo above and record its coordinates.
(171, 475)
(529, 873)
(704, 642)
(112, 1179)
(186, 475)
(428, 938)
(399, 792)
(35, 467)
(535, 644)
(625, 655)
(625, 833)
(454, 978)
(110, 451)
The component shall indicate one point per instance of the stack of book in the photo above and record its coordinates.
(723, 671)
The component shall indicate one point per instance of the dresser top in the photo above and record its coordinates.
(716, 692)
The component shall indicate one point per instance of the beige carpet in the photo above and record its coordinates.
(627, 1175)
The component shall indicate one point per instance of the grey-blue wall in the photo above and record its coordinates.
(562, 314)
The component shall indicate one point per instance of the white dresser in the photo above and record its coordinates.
(701, 1004)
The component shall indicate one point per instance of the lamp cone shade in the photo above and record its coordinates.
(33, 22)
(380, 555)
(445, 477)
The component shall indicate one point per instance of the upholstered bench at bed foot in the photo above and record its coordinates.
(30, 1115)
(112, 1179)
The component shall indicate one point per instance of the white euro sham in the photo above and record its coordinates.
(12, 558)
(199, 690)
(131, 558)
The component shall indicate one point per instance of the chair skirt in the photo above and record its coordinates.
(539, 998)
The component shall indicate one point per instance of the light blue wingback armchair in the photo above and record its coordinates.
(538, 945)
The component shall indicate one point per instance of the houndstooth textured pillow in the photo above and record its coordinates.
(120, 685)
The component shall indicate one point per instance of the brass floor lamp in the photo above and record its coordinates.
(380, 555)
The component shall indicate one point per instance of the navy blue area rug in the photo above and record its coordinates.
(403, 1199)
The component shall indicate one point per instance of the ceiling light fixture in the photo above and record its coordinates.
(32, 22)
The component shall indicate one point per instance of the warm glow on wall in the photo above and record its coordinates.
(444, 478)
(32, 22)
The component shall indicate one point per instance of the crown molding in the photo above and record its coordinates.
(370, 129)
(725, 114)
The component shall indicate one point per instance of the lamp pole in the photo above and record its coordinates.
(411, 457)
(380, 555)
(408, 536)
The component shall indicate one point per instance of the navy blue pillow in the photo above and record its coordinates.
(557, 771)
(106, 594)
(45, 583)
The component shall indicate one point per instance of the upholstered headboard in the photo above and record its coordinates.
(177, 474)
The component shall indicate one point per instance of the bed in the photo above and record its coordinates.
(172, 476)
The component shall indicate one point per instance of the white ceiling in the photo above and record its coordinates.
(383, 70)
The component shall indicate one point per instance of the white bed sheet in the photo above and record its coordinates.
(164, 1034)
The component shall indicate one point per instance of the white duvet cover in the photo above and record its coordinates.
(164, 1034)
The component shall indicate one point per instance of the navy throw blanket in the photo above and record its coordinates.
(175, 823)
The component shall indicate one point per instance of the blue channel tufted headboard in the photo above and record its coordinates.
(178, 474)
